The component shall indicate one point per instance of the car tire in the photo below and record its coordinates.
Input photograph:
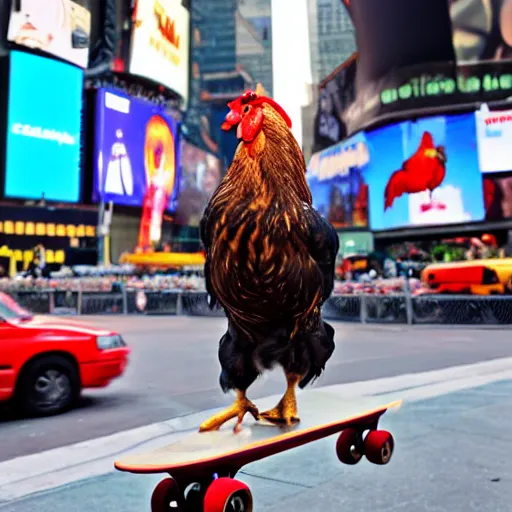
(48, 385)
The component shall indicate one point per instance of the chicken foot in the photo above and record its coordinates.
(241, 406)
(286, 410)
(432, 204)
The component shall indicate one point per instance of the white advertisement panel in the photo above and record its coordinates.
(160, 44)
(494, 140)
(59, 27)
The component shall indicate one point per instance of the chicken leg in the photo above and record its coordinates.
(241, 406)
(286, 410)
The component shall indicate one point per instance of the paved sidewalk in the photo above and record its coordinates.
(453, 454)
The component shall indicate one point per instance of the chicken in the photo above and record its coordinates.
(425, 170)
(270, 263)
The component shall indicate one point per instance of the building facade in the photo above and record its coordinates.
(332, 42)
(231, 50)
(331, 35)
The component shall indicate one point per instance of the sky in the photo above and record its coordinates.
(291, 73)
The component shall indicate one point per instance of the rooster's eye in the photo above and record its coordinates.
(246, 109)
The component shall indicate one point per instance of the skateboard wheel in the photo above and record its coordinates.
(378, 446)
(194, 496)
(349, 446)
(165, 497)
(228, 495)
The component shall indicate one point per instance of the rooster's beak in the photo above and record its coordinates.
(232, 119)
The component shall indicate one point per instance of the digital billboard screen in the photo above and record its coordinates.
(335, 93)
(337, 183)
(59, 27)
(43, 129)
(201, 173)
(494, 139)
(136, 148)
(428, 54)
(424, 172)
(498, 196)
(160, 43)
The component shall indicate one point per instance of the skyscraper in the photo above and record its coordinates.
(332, 42)
(331, 36)
(254, 40)
(231, 50)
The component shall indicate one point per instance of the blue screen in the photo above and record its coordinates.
(336, 178)
(136, 149)
(43, 129)
(412, 150)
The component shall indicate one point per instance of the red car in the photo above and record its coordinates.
(45, 362)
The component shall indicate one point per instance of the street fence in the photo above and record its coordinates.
(395, 308)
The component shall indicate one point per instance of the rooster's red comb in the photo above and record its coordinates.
(253, 98)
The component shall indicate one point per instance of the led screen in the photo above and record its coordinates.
(424, 172)
(136, 150)
(43, 129)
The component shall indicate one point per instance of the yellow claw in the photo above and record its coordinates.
(241, 406)
(285, 412)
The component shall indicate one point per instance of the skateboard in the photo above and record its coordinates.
(202, 466)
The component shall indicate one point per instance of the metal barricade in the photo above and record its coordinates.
(389, 309)
(196, 304)
(394, 308)
(65, 302)
(37, 301)
(462, 309)
(345, 308)
(102, 303)
(153, 302)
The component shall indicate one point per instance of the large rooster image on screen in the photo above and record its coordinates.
(424, 172)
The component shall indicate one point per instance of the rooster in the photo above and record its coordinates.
(425, 170)
(270, 263)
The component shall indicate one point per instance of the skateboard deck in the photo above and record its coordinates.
(322, 414)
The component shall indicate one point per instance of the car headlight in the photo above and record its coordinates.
(108, 342)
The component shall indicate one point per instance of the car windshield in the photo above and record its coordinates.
(10, 309)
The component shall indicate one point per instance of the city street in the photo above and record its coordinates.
(454, 381)
(174, 371)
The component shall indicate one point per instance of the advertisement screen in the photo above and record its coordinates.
(58, 27)
(43, 137)
(494, 138)
(135, 150)
(201, 173)
(336, 179)
(424, 173)
(435, 53)
(498, 196)
(482, 29)
(160, 43)
(336, 93)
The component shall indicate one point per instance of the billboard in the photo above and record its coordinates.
(160, 44)
(436, 53)
(424, 172)
(201, 173)
(482, 29)
(136, 149)
(494, 139)
(335, 94)
(336, 180)
(498, 196)
(43, 137)
(59, 27)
